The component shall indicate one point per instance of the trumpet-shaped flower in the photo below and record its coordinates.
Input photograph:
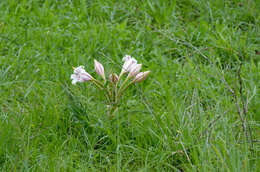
(128, 65)
(135, 68)
(141, 76)
(80, 75)
(99, 69)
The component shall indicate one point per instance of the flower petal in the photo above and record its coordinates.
(126, 58)
(134, 70)
(80, 75)
(128, 64)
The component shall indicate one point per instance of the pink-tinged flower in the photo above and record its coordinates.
(126, 58)
(79, 70)
(141, 76)
(113, 78)
(128, 65)
(99, 69)
(135, 70)
(80, 75)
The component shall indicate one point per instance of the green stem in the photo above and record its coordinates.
(121, 87)
(101, 87)
(120, 75)
(120, 92)
(98, 82)
(118, 145)
(113, 110)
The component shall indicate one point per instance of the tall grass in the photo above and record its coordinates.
(182, 118)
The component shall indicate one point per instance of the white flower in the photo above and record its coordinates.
(99, 69)
(129, 62)
(135, 68)
(80, 75)
(79, 70)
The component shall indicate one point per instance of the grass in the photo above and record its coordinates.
(182, 118)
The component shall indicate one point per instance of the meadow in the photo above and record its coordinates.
(198, 110)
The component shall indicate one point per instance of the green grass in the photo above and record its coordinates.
(48, 124)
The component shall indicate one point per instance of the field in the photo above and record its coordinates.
(198, 110)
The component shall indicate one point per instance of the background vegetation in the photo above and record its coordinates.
(184, 117)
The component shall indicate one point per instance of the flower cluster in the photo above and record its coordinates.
(115, 89)
(130, 66)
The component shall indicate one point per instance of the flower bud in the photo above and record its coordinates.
(134, 70)
(99, 69)
(113, 78)
(141, 76)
